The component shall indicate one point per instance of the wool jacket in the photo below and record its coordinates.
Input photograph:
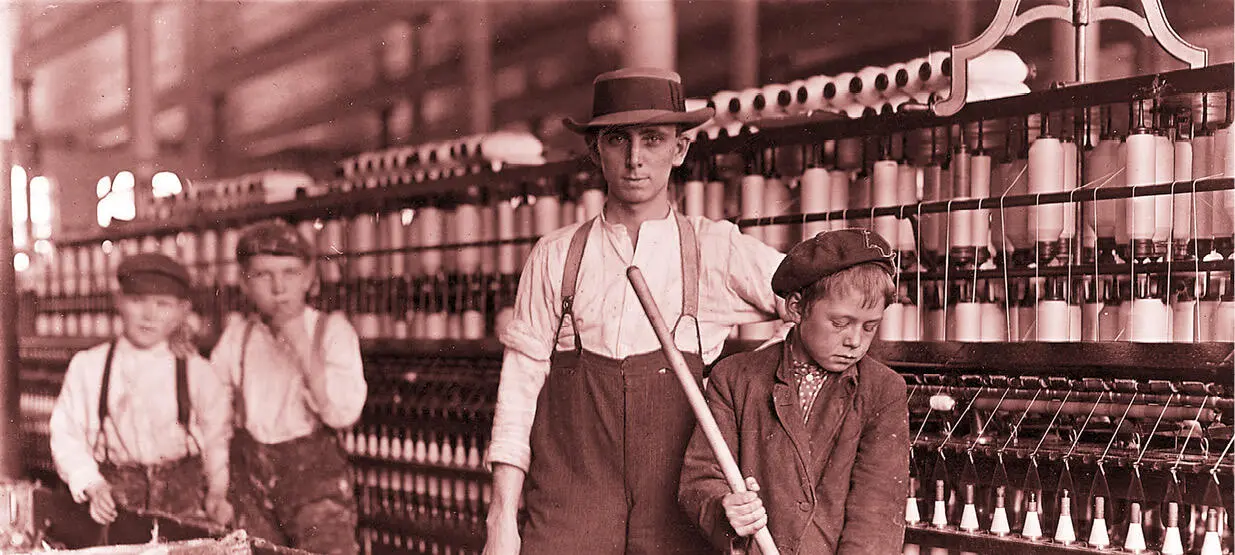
(834, 485)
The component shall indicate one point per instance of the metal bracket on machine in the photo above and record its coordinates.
(1079, 13)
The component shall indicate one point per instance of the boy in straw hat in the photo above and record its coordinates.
(820, 429)
(591, 426)
(136, 425)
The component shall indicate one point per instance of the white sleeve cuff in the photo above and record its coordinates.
(519, 456)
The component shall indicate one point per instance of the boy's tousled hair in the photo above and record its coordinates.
(869, 282)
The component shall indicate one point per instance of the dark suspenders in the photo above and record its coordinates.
(691, 265)
(184, 405)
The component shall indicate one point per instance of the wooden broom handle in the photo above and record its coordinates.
(707, 423)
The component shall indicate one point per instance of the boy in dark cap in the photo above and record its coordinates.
(137, 426)
(820, 430)
(296, 376)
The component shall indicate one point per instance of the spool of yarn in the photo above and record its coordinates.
(1054, 320)
(1164, 172)
(885, 192)
(1101, 166)
(1070, 155)
(68, 267)
(393, 239)
(797, 96)
(906, 195)
(942, 402)
(362, 235)
(846, 95)
(468, 229)
(812, 95)
(936, 71)
(525, 226)
(1150, 321)
(1074, 321)
(546, 214)
(1140, 168)
(1046, 176)
(505, 231)
(431, 230)
(1223, 327)
(593, 201)
(998, 66)
(231, 271)
(727, 107)
(1202, 155)
(332, 247)
(693, 204)
(714, 208)
(892, 326)
(774, 101)
(871, 83)
(1015, 221)
(931, 224)
(1183, 203)
(1183, 320)
(994, 322)
(911, 327)
(967, 322)
(917, 71)
(1222, 164)
(960, 222)
(815, 196)
(568, 212)
(746, 102)
(980, 187)
(838, 193)
(776, 202)
(752, 187)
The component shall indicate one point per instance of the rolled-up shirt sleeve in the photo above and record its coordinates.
(529, 341)
(750, 268)
(341, 398)
(71, 433)
(212, 422)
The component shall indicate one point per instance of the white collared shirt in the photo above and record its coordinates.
(735, 288)
(142, 425)
(278, 404)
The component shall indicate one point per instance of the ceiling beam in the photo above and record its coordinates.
(89, 22)
(571, 27)
(344, 24)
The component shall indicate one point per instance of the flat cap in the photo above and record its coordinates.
(273, 238)
(153, 274)
(827, 253)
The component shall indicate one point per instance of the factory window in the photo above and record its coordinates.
(40, 207)
(165, 184)
(116, 200)
(20, 214)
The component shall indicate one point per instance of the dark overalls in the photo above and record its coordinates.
(297, 492)
(609, 438)
(176, 488)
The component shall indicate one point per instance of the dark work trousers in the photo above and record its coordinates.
(296, 493)
(176, 488)
(608, 442)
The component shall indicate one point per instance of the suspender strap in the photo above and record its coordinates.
(183, 404)
(319, 335)
(105, 388)
(570, 274)
(238, 396)
(690, 266)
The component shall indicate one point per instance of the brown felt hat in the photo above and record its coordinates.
(639, 96)
(830, 252)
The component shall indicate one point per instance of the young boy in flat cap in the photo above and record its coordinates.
(296, 376)
(591, 426)
(820, 430)
(137, 426)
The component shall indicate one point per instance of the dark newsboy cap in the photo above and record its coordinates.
(273, 238)
(827, 253)
(153, 274)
